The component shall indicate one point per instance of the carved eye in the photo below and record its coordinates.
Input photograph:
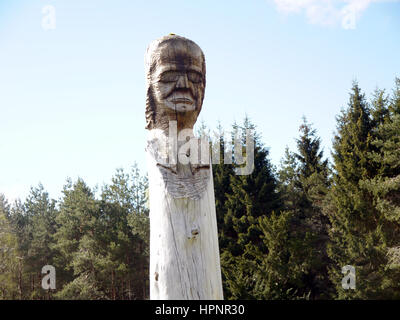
(194, 76)
(170, 76)
(173, 76)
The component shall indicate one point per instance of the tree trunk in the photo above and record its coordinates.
(184, 251)
(20, 280)
(113, 285)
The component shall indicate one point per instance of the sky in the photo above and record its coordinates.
(72, 86)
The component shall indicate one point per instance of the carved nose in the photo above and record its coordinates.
(182, 81)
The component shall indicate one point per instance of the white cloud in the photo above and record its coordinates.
(328, 12)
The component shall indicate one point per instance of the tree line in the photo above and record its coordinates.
(99, 245)
(284, 233)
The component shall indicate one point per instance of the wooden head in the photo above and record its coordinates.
(176, 79)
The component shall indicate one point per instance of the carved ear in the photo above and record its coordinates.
(150, 109)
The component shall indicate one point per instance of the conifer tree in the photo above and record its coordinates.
(42, 212)
(384, 189)
(355, 233)
(309, 221)
(222, 173)
(102, 245)
(130, 191)
(8, 254)
(300, 231)
(252, 196)
(76, 222)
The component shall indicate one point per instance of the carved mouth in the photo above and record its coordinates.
(182, 100)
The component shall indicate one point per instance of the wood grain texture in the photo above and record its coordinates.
(184, 58)
(184, 251)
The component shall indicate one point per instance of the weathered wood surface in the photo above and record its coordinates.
(184, 261)
(184, 251)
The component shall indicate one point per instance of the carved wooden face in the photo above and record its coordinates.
(178, 79)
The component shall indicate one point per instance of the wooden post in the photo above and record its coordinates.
(184, 251)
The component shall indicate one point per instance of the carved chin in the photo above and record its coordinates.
(181, 107)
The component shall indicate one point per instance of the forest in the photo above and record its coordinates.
(284, 232)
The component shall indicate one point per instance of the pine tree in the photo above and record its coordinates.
(42, 212)
(294, 265)
(131, 191)
(8, 254)
(103, 245)
(21, 226)
(76, 220)
(252, 196)
(356, 232)
(384, 189)
(280, 270)
(309, 221)
(222, 173)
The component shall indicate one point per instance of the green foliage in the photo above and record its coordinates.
(303, 183)
(364, 209)
(99, 247)
(8, 254)
(103, 244)
(283, 234)
(240, 201)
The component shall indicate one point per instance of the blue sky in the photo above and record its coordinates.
(72, 98)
